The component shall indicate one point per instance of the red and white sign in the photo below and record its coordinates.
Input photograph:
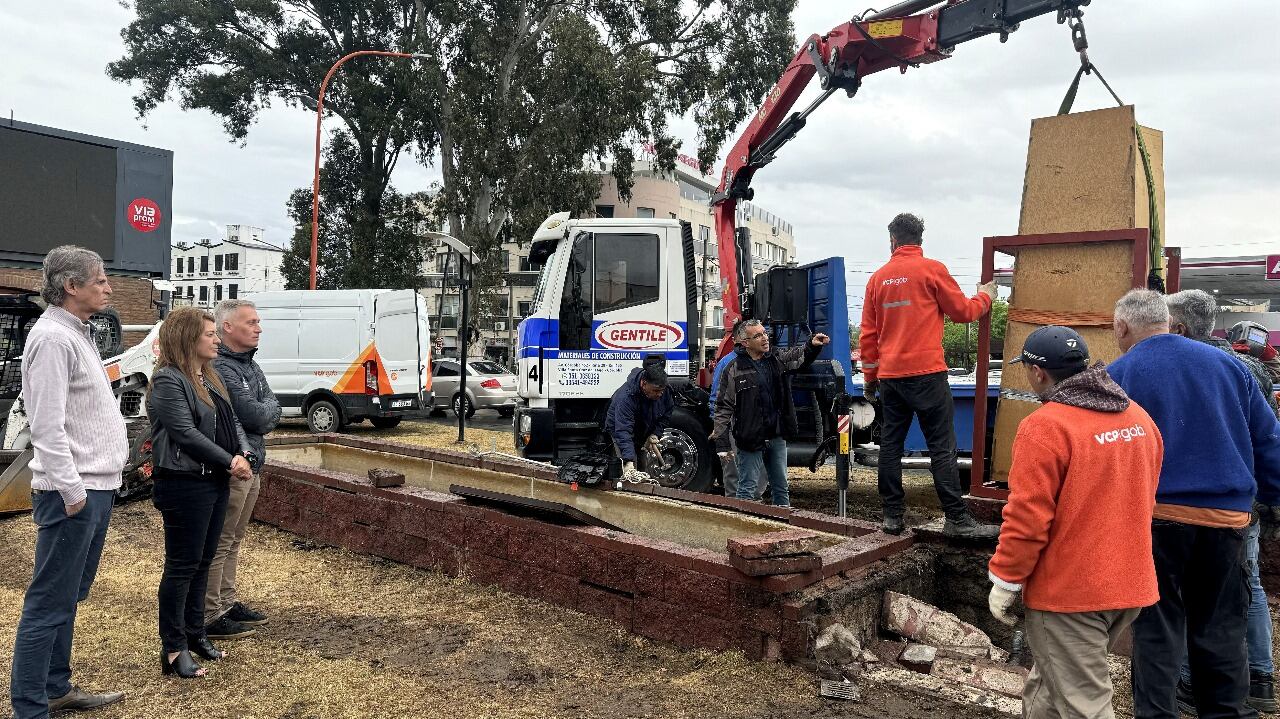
(843, 423)
(638, 335)
(143, 214)
(1273, 267)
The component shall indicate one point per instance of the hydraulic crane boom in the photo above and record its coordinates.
(895, 37)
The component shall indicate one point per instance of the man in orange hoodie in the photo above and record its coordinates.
(902, 363)
(1076, 539)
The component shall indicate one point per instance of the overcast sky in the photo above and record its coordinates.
(947, 141)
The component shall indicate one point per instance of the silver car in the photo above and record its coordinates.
(489, 386)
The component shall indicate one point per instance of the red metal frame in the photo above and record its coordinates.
(1173, 272)
(1140, 237)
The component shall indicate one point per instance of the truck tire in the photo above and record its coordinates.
(384, 422)
(324, 416)
(685, 445)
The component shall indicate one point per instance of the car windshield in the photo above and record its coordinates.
(489, 368)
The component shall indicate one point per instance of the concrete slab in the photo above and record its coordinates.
(1004, 679)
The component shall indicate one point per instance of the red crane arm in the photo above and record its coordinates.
(841, 58)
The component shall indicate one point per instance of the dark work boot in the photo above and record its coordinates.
(246, 616)
(967, 527)
(1262, 692)
(892, 525)
(225, 628)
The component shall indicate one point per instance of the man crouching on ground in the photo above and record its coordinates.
(1084, 573)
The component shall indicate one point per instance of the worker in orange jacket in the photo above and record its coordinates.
(903, 364)
(1076, 538)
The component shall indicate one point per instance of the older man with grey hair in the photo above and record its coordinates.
(754, 411)
(239, 327)
(80, 448)
(1193, 314)
(1221, 448)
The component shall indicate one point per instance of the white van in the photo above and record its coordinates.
(341, 356)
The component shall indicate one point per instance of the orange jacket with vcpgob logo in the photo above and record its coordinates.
(902, 313)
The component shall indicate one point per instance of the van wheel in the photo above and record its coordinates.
(688, 453)
(385, 422)
(323, 416)
(463, 403)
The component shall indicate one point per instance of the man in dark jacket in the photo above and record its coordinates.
(1221, 450)
(754, 407)
(638, 412)
(259, 413)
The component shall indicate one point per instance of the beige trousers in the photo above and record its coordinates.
(1070, 678)
(221, 592)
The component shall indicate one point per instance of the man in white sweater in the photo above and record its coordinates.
(80, 450)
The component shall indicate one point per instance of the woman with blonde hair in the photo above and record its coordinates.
(198, 446)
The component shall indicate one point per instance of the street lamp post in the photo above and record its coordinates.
(315, 184)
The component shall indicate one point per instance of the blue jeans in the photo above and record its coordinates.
(66, 562)
(753, 466)
(1258, 631)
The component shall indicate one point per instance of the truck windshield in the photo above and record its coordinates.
(543, 278)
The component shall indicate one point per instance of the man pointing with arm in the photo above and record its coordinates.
(902, 361)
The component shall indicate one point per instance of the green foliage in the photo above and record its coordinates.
(960, 341)
(519, 101)
(357, 250)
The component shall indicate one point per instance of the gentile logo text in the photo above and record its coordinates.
(638, 335)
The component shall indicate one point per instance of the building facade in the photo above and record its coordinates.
(206, 272)
(682, 195)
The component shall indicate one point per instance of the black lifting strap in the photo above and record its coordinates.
(1078, 38)
(1085, 68)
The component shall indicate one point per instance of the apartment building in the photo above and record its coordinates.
(208, 271)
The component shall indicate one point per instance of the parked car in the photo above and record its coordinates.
(489, 386)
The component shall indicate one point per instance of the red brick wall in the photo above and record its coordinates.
(657, 589)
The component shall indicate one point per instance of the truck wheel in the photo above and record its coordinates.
(323, 416)
(385, 422)
(688, 453)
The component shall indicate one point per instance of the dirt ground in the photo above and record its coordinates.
(356, 636)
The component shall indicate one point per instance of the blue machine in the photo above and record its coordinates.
(964, 390)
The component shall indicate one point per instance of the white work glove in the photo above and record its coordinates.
(1000, 601)
(651, 444)
(988, 289)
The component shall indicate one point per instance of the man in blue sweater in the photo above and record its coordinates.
(1219, 436)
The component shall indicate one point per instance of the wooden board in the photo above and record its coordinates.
(1084, 173)
(1072, 278)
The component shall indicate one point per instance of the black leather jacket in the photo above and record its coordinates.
(182, 427)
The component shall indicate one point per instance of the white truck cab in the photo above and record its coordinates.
(612, 292)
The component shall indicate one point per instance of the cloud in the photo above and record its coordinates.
(947, 141)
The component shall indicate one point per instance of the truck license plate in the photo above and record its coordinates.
(401, 403)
